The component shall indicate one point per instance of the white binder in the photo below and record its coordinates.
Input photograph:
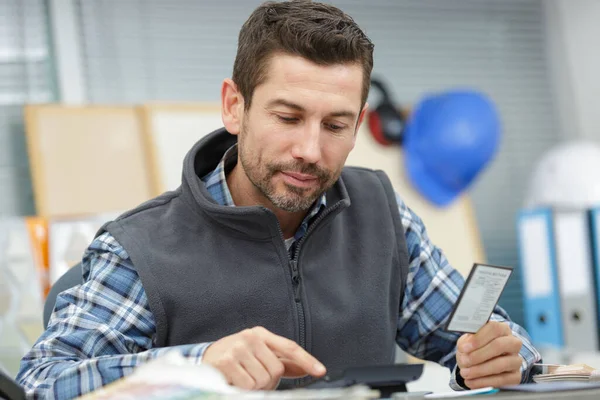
(573, 240)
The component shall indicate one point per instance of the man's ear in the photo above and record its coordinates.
(232, 106)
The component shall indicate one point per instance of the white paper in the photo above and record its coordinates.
(68, 241)
(174, 134)
(448, 395)
(480, 296)
(573, 252)
(535, 246)
(69, 238)
(19, 256)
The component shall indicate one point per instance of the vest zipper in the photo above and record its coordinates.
(293, 263)
(312, 227)
(296, 273)
(295, 279)
(299, 305)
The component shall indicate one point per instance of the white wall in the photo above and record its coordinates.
(573, 40)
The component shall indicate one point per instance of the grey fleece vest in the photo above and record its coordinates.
(211, 271)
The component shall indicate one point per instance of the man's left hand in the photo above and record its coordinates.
(490, 357)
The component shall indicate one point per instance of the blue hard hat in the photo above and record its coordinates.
(449, 139)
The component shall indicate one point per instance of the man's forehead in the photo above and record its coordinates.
(295, 69)
(301, 76)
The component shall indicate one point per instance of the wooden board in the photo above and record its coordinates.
(86, 160)
(172, 130)
(453, 229)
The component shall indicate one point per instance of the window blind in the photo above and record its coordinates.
(24, 78)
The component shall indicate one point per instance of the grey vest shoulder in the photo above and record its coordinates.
(210, 271)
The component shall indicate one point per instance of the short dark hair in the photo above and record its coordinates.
(318, 32)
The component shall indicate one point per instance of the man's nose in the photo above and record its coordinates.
(308, 145)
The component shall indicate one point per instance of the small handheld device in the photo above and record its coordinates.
(478, 298)
(387, 379)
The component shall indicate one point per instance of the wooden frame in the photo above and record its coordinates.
(63, 139)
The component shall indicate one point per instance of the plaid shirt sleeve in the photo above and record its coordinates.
(98, 332)
(431, 290)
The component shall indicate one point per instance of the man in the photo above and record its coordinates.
(272, 260)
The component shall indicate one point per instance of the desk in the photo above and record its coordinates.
(591, 394)
(435, 378)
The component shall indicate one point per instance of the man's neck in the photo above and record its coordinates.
(244, 193)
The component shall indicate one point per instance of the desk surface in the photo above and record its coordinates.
(435, 378)
(586, 394)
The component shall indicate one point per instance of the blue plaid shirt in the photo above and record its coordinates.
(100, 330)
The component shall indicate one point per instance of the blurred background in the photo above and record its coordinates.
(134, 83)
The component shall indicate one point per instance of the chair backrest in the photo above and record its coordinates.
(9, 389)
(69, 279)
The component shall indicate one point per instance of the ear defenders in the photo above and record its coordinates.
(386, 123)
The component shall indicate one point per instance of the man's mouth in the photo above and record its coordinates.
(299, 179)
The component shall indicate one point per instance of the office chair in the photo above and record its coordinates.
(69, 279)
(9, 389)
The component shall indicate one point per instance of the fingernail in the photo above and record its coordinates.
(467, 347)
(465, 372)
(319, 368)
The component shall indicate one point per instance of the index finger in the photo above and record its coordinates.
(289, 349)
(485, 335)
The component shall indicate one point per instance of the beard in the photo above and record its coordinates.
(291, 198)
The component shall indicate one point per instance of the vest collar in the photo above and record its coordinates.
(257, 221)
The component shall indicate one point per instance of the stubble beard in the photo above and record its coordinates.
(293, 199)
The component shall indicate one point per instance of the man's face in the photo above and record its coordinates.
(299, 130)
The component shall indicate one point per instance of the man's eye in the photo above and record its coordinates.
(334, 127)
(287, 120)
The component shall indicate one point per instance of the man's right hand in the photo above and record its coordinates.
(256, 359)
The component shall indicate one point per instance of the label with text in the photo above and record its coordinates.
(478, 298)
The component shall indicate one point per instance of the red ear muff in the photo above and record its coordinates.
(374, 121)
(385, 121)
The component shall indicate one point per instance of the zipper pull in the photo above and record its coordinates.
(295, 280)
(295, 274)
